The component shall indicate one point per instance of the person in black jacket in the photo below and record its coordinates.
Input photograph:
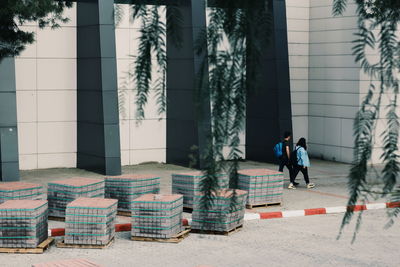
(284, 160)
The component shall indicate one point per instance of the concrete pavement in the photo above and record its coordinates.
(304, 241)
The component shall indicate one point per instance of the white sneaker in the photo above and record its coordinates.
(310, 185)
(291, 186)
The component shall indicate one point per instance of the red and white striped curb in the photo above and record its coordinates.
(125, 227)
(319, 211)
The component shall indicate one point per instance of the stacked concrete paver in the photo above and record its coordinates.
(90, 221)
(128, 187)
(225, 212)
(62, 192)
(23, 223)
(188, 184)
(157, 216)
(68, 263)
(21, 190)
(263, 186)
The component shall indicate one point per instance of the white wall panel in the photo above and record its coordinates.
(347, 154)
(27, 142)
(26, 73)
(145, 141)
(56, 137)
(28, 161)
(332, 131)
(124, 128)
(57, 160)
(56, 74)
(149, 134)
(332, 153)
(333, 23)
(46, 97)
(334, 86)
(298, 3)
(300, 124)
(347, 133)
(56, 43)
(147, 155)
(298, 13)
(122, 39)
(334, 80)
(57, 106)
(28, 100)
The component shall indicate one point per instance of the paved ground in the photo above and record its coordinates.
(330, 179)
(301, 241)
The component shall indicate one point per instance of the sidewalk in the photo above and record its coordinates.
(330, 179)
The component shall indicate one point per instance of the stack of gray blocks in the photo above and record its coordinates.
(157, 216)
(23, 223)
(60, 193)
(223, 214)
(21, 190)
(189, 185)
(128, 187)
(90, 221)
(263, 186)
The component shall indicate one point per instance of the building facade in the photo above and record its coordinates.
(326, 89)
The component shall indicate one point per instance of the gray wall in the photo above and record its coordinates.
(9, 166)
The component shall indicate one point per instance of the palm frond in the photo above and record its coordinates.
(339, 6)
(152, 43)
(119, 14)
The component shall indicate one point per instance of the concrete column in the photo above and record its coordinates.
(9, 164)
(268, 104)
(98, 119)
(188, 107)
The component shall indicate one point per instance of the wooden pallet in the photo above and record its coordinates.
(124, 213)
(266, 205)
(38, 250)
(58, 219)
(61, 244)
(211, 232)
(175, 239)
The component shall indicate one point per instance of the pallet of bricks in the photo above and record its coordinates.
(90, 221)
(223, 215)
(264, 186)
(62, 192)
(188, 184)
(21, 190)
(23, 223)
(128, 187)
(157, 217)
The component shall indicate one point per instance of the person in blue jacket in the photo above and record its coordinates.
(303, 162)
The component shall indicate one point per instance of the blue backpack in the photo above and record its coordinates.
(278, 150)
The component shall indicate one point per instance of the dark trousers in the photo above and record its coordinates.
(285, 162)
(303, 170)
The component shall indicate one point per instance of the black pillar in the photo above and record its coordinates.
(9, 166)
(188, 106)
(268, 103)
(98, 122)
